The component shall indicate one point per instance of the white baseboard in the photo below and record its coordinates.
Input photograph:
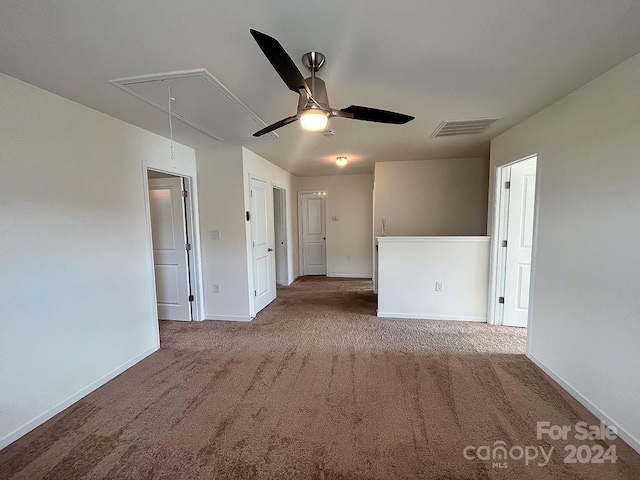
(295, 277)
(228, 318)
(625, 435)
(56, 409)
(349, 275)
(426, 316)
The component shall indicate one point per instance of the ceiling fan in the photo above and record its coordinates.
(313, 105)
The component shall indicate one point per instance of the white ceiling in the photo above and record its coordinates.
(436, 60)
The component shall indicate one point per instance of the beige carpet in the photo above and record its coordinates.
(315, 387)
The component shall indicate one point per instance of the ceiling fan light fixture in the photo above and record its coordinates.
(313, 103)
(314, 120)
(342, 161)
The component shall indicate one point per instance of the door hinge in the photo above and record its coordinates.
(253, 244)
(187, 247)
(191, 298)
(252, 193)
(255, 293)
(500, 299)
(507, 185)
(504, 243)
(248, 216)
(185, 194)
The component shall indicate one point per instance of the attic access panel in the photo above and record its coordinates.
(200, 101)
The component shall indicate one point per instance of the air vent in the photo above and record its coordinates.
(200, 101)
(463, 127)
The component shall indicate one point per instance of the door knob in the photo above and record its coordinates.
(269, 249)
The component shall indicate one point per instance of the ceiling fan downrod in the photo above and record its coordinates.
(314, 62)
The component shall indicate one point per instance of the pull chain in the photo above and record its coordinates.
(170, 120)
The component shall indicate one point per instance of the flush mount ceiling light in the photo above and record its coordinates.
(341, 161)
(313, 120)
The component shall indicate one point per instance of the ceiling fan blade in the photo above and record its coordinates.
(375, 115)
(281, 61)
(275, 126)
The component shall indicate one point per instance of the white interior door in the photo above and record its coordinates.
(519, 243)
(168, 230)
(264, 278)
(313, 233)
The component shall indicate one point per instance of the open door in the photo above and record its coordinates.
(519, 242)
(169, 236)
(264, 278)
(280, 231)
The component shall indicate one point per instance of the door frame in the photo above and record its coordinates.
(497, 261)
(283, 190)
(325, 195)
(194, 255)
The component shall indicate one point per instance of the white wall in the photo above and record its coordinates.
(431, 197)
(409, 268)
(255, 165)
(222, 208)
(349, 240)
(585, 311)
(75, 266)
(224, 174)
(444, 197)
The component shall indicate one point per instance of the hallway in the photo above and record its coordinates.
(315, 387)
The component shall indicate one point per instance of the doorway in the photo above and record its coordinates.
(313, 233)
(516, 194)
(171, 233)
(280, 231)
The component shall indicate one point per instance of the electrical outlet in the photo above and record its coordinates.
(216, 288)
(438, 286)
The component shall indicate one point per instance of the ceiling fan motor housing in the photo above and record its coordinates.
(319, 92)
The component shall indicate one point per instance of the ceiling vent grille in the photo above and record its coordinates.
(463, 127)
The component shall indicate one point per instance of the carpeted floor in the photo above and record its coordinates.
(316, 387)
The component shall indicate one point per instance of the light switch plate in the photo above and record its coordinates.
(215, 235)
